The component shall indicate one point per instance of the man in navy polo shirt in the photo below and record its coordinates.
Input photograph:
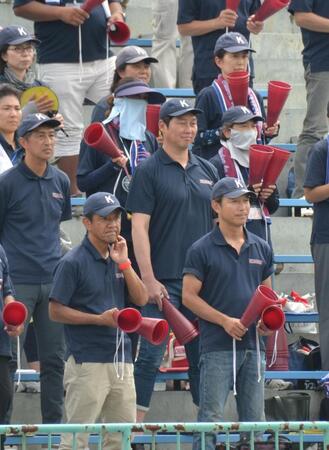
(221, 273)
(205, 21)
(312, 16)
(89, 285)
(316, 188)
(73, 61)
(169, 198)
(34, 199)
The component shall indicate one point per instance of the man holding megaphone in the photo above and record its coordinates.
(89, 288)
(222, 271)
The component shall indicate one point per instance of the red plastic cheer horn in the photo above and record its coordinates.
(263, 297)
(268, 8)
(152, 118)
(277, 354)
(96, 136)
(278, 92)
(239, 83)
(183, 329)
(232, 4)
(273, 317)
(14, 313)
(130, 320)
(119, 32)
(88, 5)
(277, 163)
(259, 158)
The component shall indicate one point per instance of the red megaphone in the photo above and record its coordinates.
(232, 4)
(96, 136)
(14, 313)
(88, 5)
(278, 92)
(183, 329)
(130, 320)
(268, 8)
(239, 83)
(154, 330)
(277, 163)
(263, 298)
(152, 118)
(259, 158)
(119, 32)
(277, 354)
(273, 317)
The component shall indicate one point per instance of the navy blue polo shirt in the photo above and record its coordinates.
(97, 173)
(15, 154)
(207, 141)
(315, 175)
(203, 46)
(228, 280)
(85, 281)
(6, 288)
(178, 201)
(60, 41)
(316, 48)
(31, 209)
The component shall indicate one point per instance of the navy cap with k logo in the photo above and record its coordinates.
(232, 43)
(176, 107)
(231, 188)
(102, 204)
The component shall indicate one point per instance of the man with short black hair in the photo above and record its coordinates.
(169, 198)
(34, 199)
(221, 273)
(89, 286)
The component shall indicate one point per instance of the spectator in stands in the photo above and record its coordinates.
(131, 62)
(231, 55)
(206, 21)
(34, 199)
(73, 61)
(239, 131)
(17, 54)
(6, 296)
(316, 188)
(173, 70)
(313, 19)
(169, 199)
(211, 280)
(88, 287)
(10, 117)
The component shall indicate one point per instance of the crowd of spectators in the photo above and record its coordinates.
(172, 215)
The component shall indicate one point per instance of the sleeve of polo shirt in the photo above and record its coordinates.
(67, 210)
(188, 10)
(315, 174)
(141, 196)
(65, 282)
(7, 287)
(301, 6)
(195, 263)
(269, 261)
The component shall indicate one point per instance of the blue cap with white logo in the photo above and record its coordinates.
(232, 43)
(102, 204)
(33, 121)
(176, 107)
(15, 35)
(231, 188)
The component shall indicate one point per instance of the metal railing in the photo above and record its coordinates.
(301, 433)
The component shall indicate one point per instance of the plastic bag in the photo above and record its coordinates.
(300, 304)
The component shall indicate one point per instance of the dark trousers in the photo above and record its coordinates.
(5, 393)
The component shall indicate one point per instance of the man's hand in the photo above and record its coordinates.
(156, 291)
(106, 319)
(234, 328)
(115, 17)
(120, 161)
(266, 192)
(119, 251)
(254, 27)
(256, 188)
(262, 330)
(227, 18)
(13, 331)
(273, 130)
(73, 16)
(43, 104)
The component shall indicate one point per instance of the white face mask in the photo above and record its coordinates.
(243, 139)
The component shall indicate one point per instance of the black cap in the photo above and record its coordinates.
(239, 114)
(33, 121)
(233, 43)
(231, 188)
(176, 107)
